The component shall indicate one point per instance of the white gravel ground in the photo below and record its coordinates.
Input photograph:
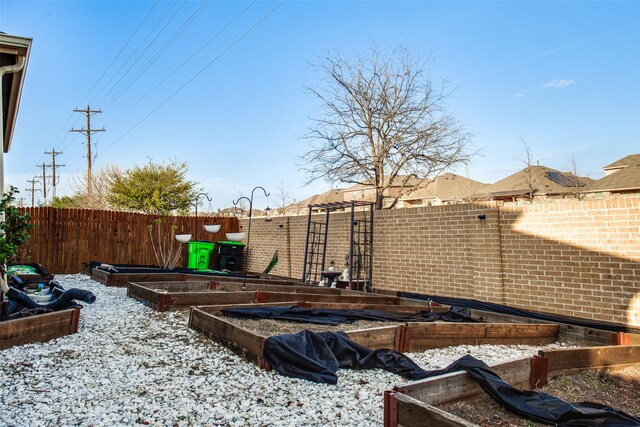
(131, 365)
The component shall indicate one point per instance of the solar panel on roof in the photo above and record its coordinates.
(564, 180)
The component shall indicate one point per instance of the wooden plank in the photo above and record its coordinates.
(481, 330)
(143, 294)
(261, 279)
(365, 299)
(563, 361)
(241, 341)
(268, 287)
(178, 286)
(459, 385)
(161, 300)
(216, 308)
(634, 339)
(579, 335)
(437, 335)
(99, 275)
(185, 300)
(123, 279)
(39, 328)
(571, 334)
(422, 345)
(412, 412)
(215, 284)
(374, 338)
(356, 306)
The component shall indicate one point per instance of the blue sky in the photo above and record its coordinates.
(560, 75)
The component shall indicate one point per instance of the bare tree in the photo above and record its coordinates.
(382, 124)
(241, 209)
(283, 200)
(574, 170)
(529, 174)
(471, 191)
(101, 182)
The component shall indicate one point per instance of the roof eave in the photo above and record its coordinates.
(18, 46)
(600, 190)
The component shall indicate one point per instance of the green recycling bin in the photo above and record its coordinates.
(199, 254)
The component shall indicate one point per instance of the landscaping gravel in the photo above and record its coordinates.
(130, 365)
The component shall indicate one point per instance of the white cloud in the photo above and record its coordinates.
(558, 84)
(521, 93)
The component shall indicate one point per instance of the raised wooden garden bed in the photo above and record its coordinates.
(404, 337)
(176, 295)
(570, 334)
(38, 328)
(416, 403)
(123, 277)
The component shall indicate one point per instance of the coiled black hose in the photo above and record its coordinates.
(59, 303)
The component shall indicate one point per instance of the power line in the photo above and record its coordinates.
(184, 63)
(121, 49)
(65, 125)
(198, 73)
(159, 53)
(124, 64)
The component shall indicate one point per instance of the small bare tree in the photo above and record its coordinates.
(283, 200)
(101, 182)
(166, 251)
(382, 124)
(574, 170)
(529, 174)
(241, 209)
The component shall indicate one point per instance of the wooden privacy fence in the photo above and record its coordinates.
(64, 239)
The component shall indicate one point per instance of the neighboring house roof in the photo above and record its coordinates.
(447, 186)
(626, 179)
(13, 50)
(631, 159)
(541, 179)
(331, 196)
(232, 211)
(397, 182)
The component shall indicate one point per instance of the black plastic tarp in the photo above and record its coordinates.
(317, 357)
(325, 316)
(541, 406)
(505, 309)
(136, 268)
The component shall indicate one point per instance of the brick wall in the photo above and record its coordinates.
(573, 258)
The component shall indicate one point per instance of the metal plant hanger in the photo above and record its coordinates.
(250, 200)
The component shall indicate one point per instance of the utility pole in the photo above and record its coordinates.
(21, 202)
(44, 177)
(87, 132)
(54, 179)
(33, 190)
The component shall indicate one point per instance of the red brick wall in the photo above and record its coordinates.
(574, 258)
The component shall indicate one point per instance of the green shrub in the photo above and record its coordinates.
(14, 231)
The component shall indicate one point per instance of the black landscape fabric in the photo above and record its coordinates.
(317, 357)
(324, 316)
(505, 309)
